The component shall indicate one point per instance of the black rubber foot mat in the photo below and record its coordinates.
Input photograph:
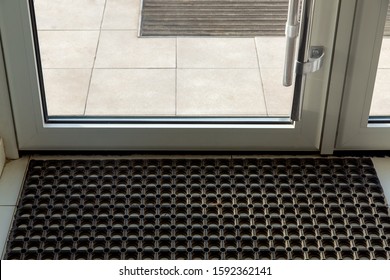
(312, 208)
(214, 18)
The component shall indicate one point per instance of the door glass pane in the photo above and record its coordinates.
(159, 58)
(380, 106)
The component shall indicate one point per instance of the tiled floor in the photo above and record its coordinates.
(381, 100)
(95, 63)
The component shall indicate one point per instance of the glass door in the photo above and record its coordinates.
(106, 74)
(365, 116)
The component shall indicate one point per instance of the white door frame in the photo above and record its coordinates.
(337, 80)
(355, 131)
(34, 134)
(7, 128)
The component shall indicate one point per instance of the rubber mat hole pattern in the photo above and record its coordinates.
(187, 209)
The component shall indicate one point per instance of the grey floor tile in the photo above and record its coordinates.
(123, 49)
(132, 92)
(380, 105)
(384, 59)
(216, 53)
(6, 217)
(271, 51)
(122, 14)
(66, 86)
(11, 181)
(382, 167)
(278, 98)
(219, 92)
(68, 49)
(69, 15)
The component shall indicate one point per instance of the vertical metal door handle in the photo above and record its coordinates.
(292, 31)
(303, 57)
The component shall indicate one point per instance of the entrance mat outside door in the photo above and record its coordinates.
(213, 18)
(254, 208)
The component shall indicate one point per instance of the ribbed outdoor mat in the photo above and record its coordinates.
(213, 17)
(244, 208)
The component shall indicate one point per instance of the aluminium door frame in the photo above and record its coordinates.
(34, 134)
(7, 128)
(355, 130)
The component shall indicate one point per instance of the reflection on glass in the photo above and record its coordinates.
(97, 62)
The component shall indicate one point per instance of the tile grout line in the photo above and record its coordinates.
(261, 78)
(94, 60)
